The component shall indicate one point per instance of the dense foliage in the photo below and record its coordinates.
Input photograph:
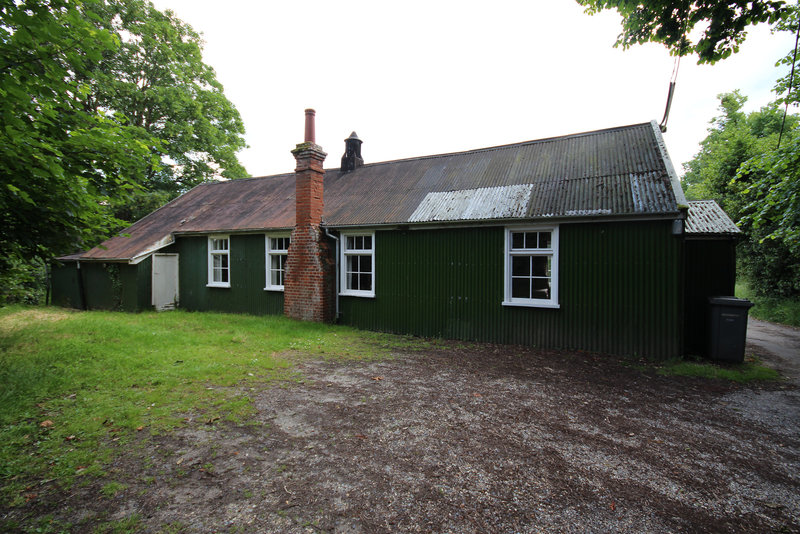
(61, 162)
(107, 111)
(758, 184)
(673, 22)
(750, 163)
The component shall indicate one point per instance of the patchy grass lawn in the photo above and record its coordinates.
(75, 382)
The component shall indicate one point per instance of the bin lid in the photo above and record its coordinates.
(730, 301)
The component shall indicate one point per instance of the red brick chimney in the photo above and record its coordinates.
(310, 270)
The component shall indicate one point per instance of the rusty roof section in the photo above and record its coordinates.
(705, 217)
(230, 206)
(622, 171)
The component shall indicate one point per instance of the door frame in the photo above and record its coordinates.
(176, 276)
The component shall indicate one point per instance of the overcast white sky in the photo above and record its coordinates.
(415, 78)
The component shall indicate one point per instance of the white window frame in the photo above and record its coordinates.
(345, 253)
(212, 252)
(270, 252)
(551, 252)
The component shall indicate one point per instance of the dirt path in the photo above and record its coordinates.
(782, 343)
(463, 439)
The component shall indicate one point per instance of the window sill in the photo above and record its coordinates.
(545, 304)
(365, 294)
(279, 289)
(219, 285)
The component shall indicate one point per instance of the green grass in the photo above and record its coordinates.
(749, 371)
(79, 386)
(776, 310)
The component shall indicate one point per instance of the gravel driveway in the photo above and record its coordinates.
(471, 438)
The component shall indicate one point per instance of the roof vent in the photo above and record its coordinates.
(352, 153)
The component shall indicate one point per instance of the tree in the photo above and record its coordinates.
(672, 23)
(61, 164)
(758, 186)
(790, 61)
(158, 81)
(107, 112)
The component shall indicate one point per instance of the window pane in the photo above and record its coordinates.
(219, 244)
(545, 240)
(367, 242)
(366, 264)
(530, 239)
(541, 288)
(521, 288)
(350, 242)
(365, 282)
(541, 265)
(520, 266)
(517, 240)
(277, 269)
(352, 281)
(220, 275)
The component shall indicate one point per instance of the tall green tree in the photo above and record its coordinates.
(739, 166)
(106, 112)
(157, 79)
(61, 164)
(673, 22)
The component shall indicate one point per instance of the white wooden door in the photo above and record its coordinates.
(165, 281)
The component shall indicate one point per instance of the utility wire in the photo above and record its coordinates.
(791, 83)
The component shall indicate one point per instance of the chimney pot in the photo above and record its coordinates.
(310, 135)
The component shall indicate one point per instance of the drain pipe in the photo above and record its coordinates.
(81, 288)
(336, 264)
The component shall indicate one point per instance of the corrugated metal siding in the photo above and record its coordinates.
(144, 284)
(107, 286)
(64, 280)
(619, 289)
(247, 274)
(432, 283)
(112, 286)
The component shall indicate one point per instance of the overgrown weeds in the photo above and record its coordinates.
(773, 309)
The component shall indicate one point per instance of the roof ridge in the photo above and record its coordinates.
(504, 146)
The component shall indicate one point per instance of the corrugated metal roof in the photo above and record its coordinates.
(705, 217)
(618, 172)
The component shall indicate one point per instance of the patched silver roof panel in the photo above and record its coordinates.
(506, 202)
(706, 217)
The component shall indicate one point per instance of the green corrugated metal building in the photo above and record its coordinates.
(576, 242)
